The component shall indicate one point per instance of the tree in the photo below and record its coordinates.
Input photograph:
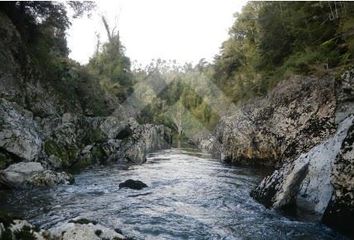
(112, 66)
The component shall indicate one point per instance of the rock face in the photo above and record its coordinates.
(305, 183)
(20, 80)
(294, 117)
(304, 128)
(319, 183)
(18, 132)
(340, 211)
(71, 142)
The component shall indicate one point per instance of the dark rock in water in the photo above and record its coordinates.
(133, 184)
(83, 221)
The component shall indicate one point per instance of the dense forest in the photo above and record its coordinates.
(268, 42)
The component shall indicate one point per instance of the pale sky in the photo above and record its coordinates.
(184, 30)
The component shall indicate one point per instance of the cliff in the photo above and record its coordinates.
(303, 128)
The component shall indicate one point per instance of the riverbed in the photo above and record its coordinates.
(189, 196)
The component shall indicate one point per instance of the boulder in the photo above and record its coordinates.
(76, 229)
(340, 211)
(82, 229)
(31, 174)
(19, 133)
(305, 183)
(133, 184)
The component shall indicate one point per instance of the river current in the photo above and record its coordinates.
(190, 196)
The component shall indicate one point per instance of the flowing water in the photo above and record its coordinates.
(190, 196)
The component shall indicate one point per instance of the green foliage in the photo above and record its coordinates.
(42, 27)
(272, 39)
(112, 67)
(67, 153)
(183, 104)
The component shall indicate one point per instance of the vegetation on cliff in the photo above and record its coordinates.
(271, 40)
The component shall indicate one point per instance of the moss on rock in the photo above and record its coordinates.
(67, 154)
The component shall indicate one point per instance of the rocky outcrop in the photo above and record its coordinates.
(319, 182)
(31, 174)
(340, 211)
(72, 141)
(75, 229)
(20, 80)
(303, 128)
(295, 116)
(305, 183)
(19, 133)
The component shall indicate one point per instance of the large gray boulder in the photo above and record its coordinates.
(305, 183)
(83, 229)
(31, 174)
(75, 229)
(340, 211)
(19, 133)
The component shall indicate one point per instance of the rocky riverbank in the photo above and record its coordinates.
(303, 128)
(78, 228)
(32, 149)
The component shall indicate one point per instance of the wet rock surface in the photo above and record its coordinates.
(75, 229)
(133, 184)
(305, 183)
(340, 211)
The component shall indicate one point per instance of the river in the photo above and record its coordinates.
(190, 196)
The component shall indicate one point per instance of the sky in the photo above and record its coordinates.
(181, 30)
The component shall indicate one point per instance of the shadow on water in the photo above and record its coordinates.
(189, 196)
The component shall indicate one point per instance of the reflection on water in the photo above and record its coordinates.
(190, 196)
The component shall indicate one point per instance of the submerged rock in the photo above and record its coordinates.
(31, 174)
(133, 184)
